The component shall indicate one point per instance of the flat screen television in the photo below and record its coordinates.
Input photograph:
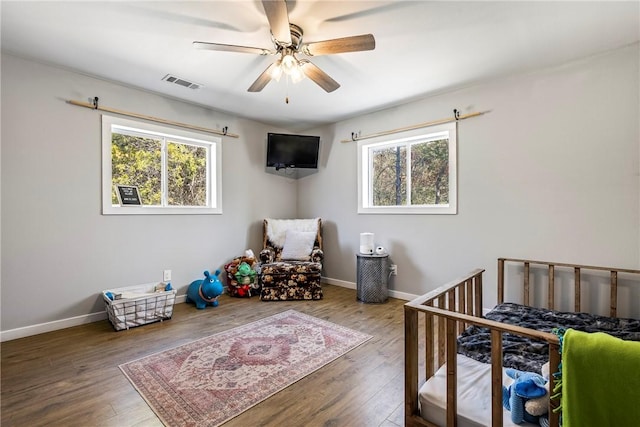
(292, 151)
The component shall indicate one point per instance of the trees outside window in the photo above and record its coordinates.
(175, 171)
(411, 173)
(187, 175)
(136, 160)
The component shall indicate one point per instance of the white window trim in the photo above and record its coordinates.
(214, 201)
(364, 167)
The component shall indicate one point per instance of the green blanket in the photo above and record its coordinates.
(600, 380)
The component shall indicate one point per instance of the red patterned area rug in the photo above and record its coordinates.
(214, 379)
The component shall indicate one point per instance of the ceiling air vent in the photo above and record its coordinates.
(181, 82)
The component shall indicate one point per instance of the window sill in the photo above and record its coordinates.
(157, 210)
(409, 210)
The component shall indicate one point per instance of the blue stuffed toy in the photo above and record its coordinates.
(527, 385)
(205, 291)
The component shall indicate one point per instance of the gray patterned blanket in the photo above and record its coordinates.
(527, 354)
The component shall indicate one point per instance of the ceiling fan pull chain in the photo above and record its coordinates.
(286, 99)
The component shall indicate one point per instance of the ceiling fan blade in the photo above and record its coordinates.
(345, 44)
(262, 79)
(276, 11)
(321, 78)
(232, 48)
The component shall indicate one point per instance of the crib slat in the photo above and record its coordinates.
(496, 378)
(576, 299)
(452, 367)
(430, 349)
(554, 362)
(500, 281)
(478, 295)
(462, 305)
(410, 360)
(552, 290)
(614, 293)
(441, 333)
(526, 284)
(469, 291)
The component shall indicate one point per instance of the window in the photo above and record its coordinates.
(176, 171)
(414, 173)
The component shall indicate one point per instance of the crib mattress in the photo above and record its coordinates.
(474, 395)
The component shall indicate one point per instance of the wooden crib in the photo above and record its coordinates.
(434, 321)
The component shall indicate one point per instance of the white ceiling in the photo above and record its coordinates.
(422, 47)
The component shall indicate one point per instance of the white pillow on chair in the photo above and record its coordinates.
(276, 229)
(298, 245)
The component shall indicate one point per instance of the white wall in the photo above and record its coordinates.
(551, 173)
(58, 251)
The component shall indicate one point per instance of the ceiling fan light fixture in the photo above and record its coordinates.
(276, 72)
(296, 74)
(289, 63)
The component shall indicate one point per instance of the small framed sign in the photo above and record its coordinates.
(128, 195)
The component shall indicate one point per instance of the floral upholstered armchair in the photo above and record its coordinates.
(291, 261)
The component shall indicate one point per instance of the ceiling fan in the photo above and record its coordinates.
(287, 41)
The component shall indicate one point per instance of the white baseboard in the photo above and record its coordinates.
(341, 283)
(352, 285)
(41, 328)
(402, 295)
(394, 294)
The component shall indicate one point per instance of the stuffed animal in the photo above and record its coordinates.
(245, 274)
(241, 276)
(205, 291)
(540, 405)
(527, 386)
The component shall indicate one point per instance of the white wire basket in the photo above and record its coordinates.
(138, 305)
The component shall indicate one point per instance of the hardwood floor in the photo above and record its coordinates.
(71, 377)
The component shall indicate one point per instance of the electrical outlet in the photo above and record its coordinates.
(166, 275)
(394, 269)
